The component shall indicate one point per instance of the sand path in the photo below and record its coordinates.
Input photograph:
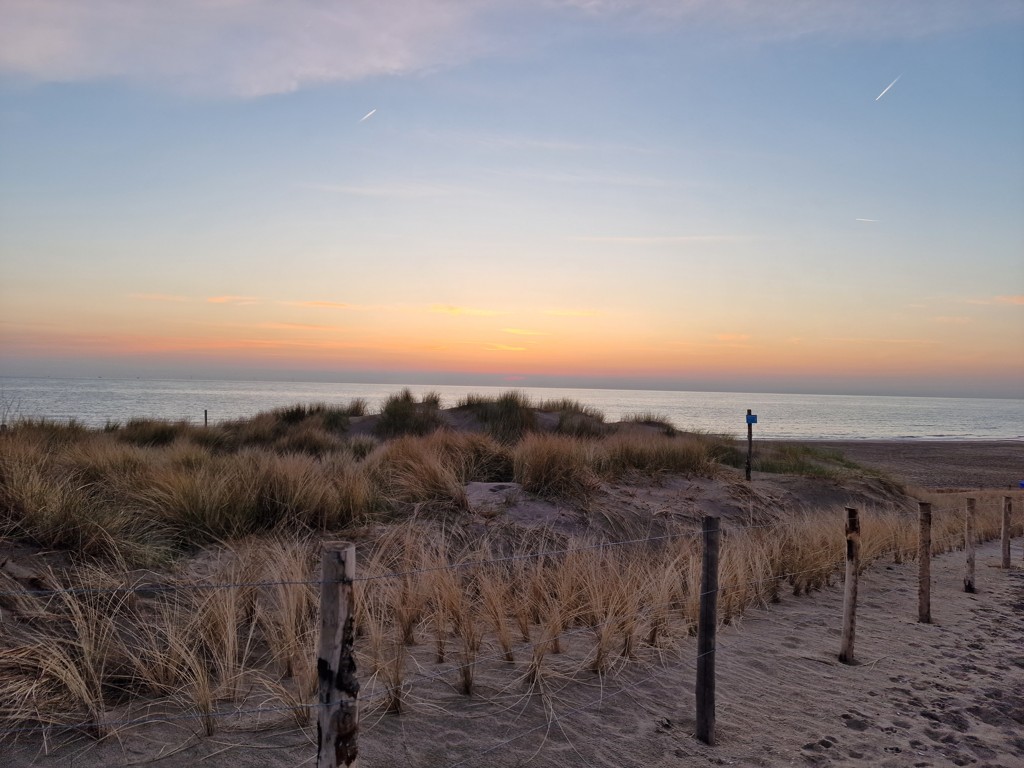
(946, 694)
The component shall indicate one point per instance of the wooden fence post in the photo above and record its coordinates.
(707, 626)
(1007, 513)
(750, 444)
(924, 565)
(969, 538)
(850, 594)
(338, 716)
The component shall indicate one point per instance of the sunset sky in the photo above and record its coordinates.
(626, 193)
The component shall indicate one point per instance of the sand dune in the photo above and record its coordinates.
(948, 693)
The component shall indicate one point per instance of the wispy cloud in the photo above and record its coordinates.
(911, 342)
(159, 297)
(873, 19)
(239, 48)
(397, 189)
(524, 332)
(732, 337)
(523, 142)
(571, 313)
(1005, 300)
(503, 348)
(319, 304)
(448, 309)
(658, 239)
(301, 327)
(239, 300)
(591, 179)
(249, 48)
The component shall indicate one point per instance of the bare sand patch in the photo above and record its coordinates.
(940, 463)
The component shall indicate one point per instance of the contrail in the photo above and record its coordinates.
(871, 220)
(890, 85)
(369, 114)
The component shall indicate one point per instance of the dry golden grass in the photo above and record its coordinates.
(406, 471)
(220, 507)
(142, 494)
(427, 595)
(507, 417)
(555, 466)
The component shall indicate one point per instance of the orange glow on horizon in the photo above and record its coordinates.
(293, 346)
(511, 342)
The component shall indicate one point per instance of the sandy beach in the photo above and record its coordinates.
(936, 464)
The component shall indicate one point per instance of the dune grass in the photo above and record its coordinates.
(401, 415)
(146, 492)
(430, 595)
(507, 417)
(246, 503)
(650, 419)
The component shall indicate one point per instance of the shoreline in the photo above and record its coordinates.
(935, 464)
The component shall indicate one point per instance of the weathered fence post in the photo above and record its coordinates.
(338, 716)
(850, 594)
(924, 565)
(969, 538)
(751, 419)
(707, 626)
(206, 417)
(1007, 513)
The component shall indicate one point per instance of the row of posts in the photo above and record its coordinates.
(338, 714)
(709, 594)
(924, 603)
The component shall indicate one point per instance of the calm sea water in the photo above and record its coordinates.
(94, 402)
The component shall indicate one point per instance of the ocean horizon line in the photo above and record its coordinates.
(510, 386)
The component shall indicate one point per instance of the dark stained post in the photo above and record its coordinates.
(850, 594)
(1007, 514)
(338, 716)
(707, 626)
(969, 538)
(924, 565)
(751, 418)
(206, 418)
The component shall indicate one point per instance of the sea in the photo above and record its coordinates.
(101, 401)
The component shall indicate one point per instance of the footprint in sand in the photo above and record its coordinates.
(856, 721)
(979, 749)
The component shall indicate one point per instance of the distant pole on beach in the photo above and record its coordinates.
(206, 419)
(751, 421)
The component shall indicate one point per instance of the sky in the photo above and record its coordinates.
(738, 195)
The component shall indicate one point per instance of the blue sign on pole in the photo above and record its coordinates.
(751, 418)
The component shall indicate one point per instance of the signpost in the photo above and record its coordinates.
(751, 421)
